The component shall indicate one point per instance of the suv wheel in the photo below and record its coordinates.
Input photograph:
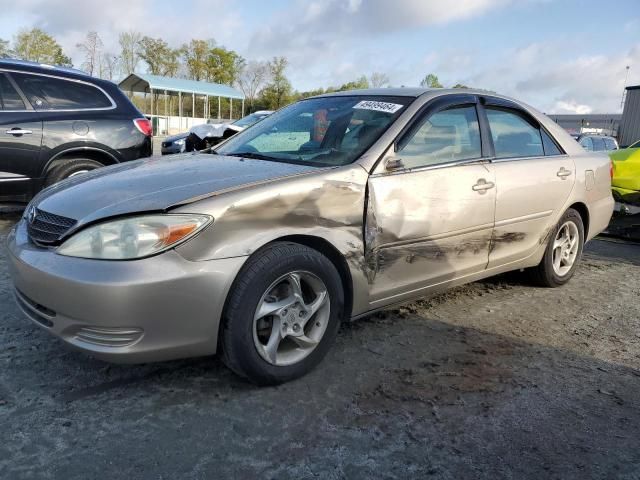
(70, 168)
(282, 314)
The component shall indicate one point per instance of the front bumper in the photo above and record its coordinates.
(159, 308)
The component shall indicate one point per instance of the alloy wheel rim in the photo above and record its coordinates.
(565, 248)
(291, 318)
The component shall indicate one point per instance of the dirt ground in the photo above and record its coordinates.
(496, 379)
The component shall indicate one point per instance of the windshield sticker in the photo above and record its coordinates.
(378, 106)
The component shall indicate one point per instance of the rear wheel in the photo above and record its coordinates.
(563, 252)
(70, 168)
(282, 314)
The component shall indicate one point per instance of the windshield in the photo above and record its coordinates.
(323, 131)
(249, 120)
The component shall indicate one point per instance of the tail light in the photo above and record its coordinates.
(144, 126)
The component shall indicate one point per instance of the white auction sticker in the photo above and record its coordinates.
(378, 106)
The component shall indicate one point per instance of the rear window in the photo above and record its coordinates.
(9, 97)
(610, 143)
(50, 93)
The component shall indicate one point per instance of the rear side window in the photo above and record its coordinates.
(610, 143)
(9, 97)
(598, 144)
(446, 136)
(550, 146)
(513, 135)
(50, 93)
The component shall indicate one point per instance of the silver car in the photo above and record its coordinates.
(328, 210)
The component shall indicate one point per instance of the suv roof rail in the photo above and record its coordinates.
(28, 63)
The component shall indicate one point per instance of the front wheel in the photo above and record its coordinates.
(563, 252)
(282, 315)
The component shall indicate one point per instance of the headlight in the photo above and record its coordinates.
(133, 237)
(179, 142)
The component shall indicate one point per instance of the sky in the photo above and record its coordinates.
(561, 56)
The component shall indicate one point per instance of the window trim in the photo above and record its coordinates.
(8, 73)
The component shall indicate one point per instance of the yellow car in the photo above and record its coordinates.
(626, 173)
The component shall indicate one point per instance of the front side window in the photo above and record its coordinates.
(50, 93)
(513, 135)
(322, 131)
(446, 136)
(586, 143)
(9, 97)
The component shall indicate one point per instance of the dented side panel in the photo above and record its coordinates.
(426, 227)
(328, 205)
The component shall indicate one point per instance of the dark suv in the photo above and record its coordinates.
(59, 122)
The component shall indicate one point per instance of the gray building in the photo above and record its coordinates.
(604, 123)
(630, 122)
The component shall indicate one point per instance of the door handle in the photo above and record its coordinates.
(482, 186)
(563, 173)
(18, 131)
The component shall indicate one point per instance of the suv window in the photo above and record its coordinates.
(51, 93)
(513, 135)
(446, 136)
(9, 97)
(598, 144)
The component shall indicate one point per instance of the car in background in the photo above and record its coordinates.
(625, 181)
(332, 208)
(597, 143)
(174, 144)
(57, 123)
(209, 134)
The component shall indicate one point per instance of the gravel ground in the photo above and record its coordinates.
(496, 379)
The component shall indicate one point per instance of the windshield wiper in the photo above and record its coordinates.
(255, 155)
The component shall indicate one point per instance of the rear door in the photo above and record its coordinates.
(430, 218)
(20, 140)
(534, 177)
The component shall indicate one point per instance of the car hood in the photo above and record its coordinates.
(156, 184)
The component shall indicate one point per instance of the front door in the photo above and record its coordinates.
(430, 219)
(20, 141)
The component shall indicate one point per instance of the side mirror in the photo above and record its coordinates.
(393, 163)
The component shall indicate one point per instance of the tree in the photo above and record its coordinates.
(38, 46)
(4, 49)
(431, 81)
(378, 80)
(92, 49)
(196, 54)
(277, 93)
(460, 85)
(108, 66)
(251, 79)
(160, 58)
(223, 66)
(358, 84)
(129, 51)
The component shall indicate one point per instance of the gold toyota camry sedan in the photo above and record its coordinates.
(330, 209)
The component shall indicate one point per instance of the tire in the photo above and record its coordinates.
(70, 167)
(242, 349)
(545, 274)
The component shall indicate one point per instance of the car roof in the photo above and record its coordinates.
(263, 112)
(35, 67)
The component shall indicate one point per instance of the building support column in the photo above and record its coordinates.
(230, 109)
(242, 115)
(219, 110)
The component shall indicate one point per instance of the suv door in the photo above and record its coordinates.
(430, 213)
(535, 179)
(20, 141)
